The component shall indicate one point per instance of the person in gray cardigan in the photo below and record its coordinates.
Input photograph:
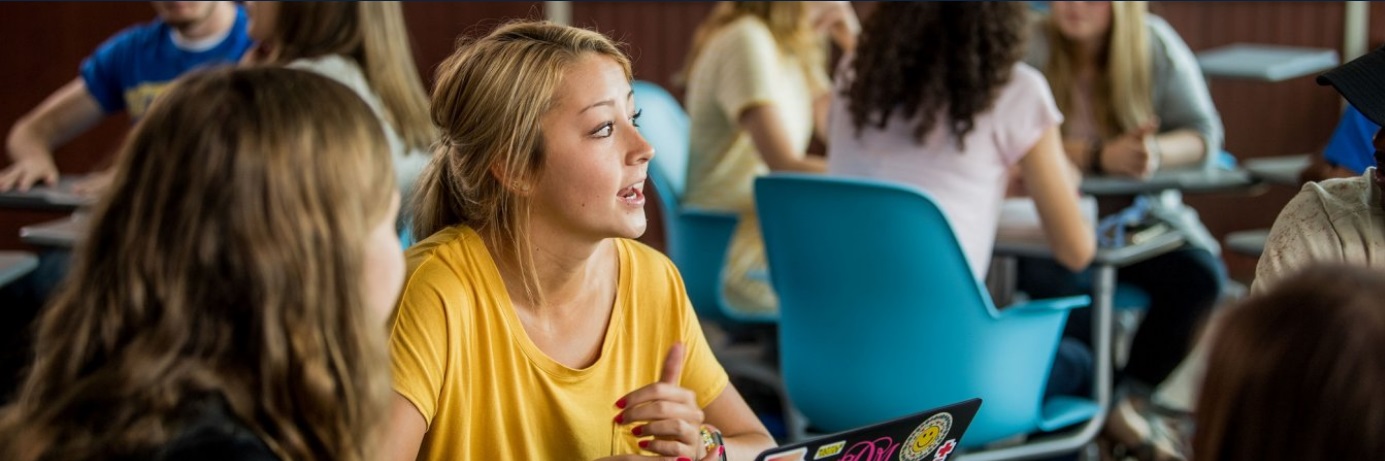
(1135, 102)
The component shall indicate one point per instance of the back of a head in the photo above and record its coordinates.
(1295, 372)
(373, 34)
(226, 261)
(942, 62)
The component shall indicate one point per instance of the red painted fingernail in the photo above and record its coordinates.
(721, 451)
(684, 459)
(620, 403)
(644, 444)
(637, 430)
(620, 418)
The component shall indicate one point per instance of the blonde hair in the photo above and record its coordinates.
(374, 35)
(226, 262)
(490, 95)
(786, 21)
(1123, 98)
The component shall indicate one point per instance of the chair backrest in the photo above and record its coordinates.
(696, 243)
(880, 315)
(665, 125)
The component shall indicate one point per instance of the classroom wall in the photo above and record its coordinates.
(45, 42)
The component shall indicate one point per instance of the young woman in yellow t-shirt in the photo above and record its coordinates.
(531, 326)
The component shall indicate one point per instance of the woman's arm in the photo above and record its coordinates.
(1047, 179)
(1183, 104)
(404, 432)
(766, 130)
(742, 431)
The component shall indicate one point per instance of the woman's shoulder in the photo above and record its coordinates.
(742, 29)
(453, 255)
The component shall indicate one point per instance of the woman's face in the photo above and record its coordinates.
(595, 163)
(384, 265)
(263, 17)
(1082, 21)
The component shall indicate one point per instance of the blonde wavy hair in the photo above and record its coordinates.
(489, 97)
(787, 22)
(226, 262)
(1123, 98)
(375, 36)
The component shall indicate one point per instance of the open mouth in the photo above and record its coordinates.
(633, 194)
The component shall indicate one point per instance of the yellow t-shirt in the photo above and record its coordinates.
(461, 356)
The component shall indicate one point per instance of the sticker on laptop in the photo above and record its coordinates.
(797, 455)
(830, 450)
(945, 449)
(927, 437)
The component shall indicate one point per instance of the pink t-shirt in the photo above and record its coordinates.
(969, 186)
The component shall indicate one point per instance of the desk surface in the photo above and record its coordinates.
(1021, 242)
(1283, 170)
(59, 197)
(1194, 181)
(14, 264)
(61, 233)
(1268, 63)
(1248, 242)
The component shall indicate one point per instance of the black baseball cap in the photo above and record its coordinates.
(1362, 82)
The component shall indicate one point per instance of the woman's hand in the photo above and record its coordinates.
(665, 412)
(836, 19)
(1129, 154)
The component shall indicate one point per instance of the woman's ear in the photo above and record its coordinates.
(512, 183)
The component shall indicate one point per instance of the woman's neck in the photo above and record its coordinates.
(567, 269)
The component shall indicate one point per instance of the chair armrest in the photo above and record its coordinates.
(1050, 304)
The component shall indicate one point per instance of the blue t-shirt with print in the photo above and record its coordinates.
(132, 67)
(1351, 146)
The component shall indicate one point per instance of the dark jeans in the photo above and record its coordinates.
(1183, 286)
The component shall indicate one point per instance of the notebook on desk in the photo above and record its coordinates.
(60, 195)
(930, 435)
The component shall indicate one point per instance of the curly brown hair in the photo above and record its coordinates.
(922, 58)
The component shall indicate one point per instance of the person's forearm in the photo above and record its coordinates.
(1179, 148)
(746, 446)
(25, 141)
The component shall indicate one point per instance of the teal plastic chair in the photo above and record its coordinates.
(696, 240)
(880, 315)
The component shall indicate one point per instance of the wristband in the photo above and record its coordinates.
(713, 443)
(1094, 154)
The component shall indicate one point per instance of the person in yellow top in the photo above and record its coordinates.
(530, 325)
(757, 91)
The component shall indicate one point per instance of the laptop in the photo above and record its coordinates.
(927, 436)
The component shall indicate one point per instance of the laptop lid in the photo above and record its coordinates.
(926, 436)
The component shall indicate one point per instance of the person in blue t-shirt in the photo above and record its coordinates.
(125, 74)
(1348, 153)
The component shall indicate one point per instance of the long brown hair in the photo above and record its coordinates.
(1296, 372)
(923, 58)
(489, 98)
(786, 21)
(226, 261)
(375, 36)
(1123, 98)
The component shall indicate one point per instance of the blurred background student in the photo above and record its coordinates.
(757, 92)
(226, 316)
(363, 45)
(1134, 102)
(124, 74)
(935, 97)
